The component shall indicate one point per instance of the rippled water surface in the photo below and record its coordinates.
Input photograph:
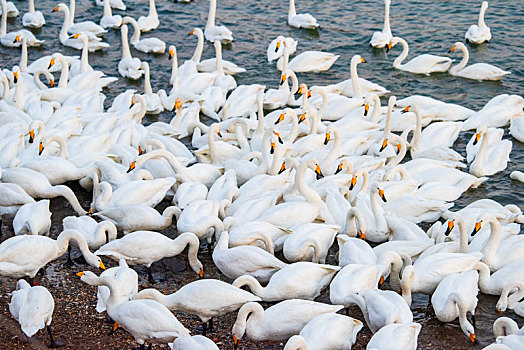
(346, 27)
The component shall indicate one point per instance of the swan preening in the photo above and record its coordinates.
(299, 194)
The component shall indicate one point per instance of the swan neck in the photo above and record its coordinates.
(136, 31)
(23, 56)
(357, 91)
(309, 194)
(386, 17)
(147, 81)
(463, 62)
(66, 236)
(418, 130)
(72, 8)
(107, 9)
(67, 23)
(504, 326)
(84, 60)
(32, 6)
(463, 242)
(292, 10)
(481, 15)
(3, 28)
(251, 282)
(197, 55)
(481, 154)
(493, 242)
(175, 164)
(126, 54)
(212, 12)
(219, 63)
(167, 216)
(375, 115)
(152, 9)
(323, 107)
(405, 50)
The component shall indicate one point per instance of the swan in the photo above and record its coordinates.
(22, 256)
(495, 283)
(8, 39)
(310, 241)
(32, 18)
(477, 71)
(109, 20)
(352, 279)
(12, 197)
(196, 342)
(210, 65)
(455, 296)
(307, 61)
(201, 218)
(135, 217)
(396, 336)
(477, 34)
(498, 112)
(516, 129)
(12, 11)
(206, 298)
(146, 247)
(149, 22)
(188, 192)
(96, 234)
(153, 101)
(33, 308)
(512, 301)
(489, 162)
(86, 26)
(473, 146)
(301, 280)
(33, 219)
(244, 260)
(127, 280)
(301, 20)
(278, 322)
(381, 307)
(146, 45)
(135, 315)
(517, 175)
(335, 107)
(278, 98)
(129, 67)
(460, 246)
(359, 87)
(423, 64)
(425, 275)
(326, 331)
(242, 101)
(507, 332)
(381, 39)
(435, 109)
(116, 4)
(214, 32)
(36, 185)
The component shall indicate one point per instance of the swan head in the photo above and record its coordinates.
(451, 225)
(302, 90)
(394, 41)
(408, 277)
(318, 171)
(60, 7)
(356, 59)
(171, 52)
(476, 229)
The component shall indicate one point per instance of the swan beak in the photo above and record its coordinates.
(51, 63)
(282, 168)
(398, 148)
(132, 103)
(283, 79)
(272, 149)
(75, 36)
(218, 133)
(101, 266)
(280, 118)
(477, 228)
(388, 47)
(472, 337)
(452, 49)
(299, 91)
(366, 109)
(381, 281)
(51, 83)
(362, 60)
(178, 103)
(384, 145)
(405, 110)
(279, 139)
(140, 151)
(80, 274)
(362, 235)
(40, 149)
(236, 341)
(500, 312)
(90, 211)
(131, 167)
(201, 273)
(339, 169)
(170, 54)
(278, 46)
(15, 74)
(55, 9)
(303, 119)
(31, 136)
(353, 182)
(17, 39)
(328, 137)
(451, 225)
(192, 32)
(477, 138)
(318, 172)
(382, 195)
(309, 94)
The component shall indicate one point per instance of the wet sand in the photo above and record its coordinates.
(76, 321)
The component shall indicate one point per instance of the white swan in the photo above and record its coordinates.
(12, 11)
(201, 218)
(146, 247)
(477, 34)
(278, 322)
(195, 342)
(492, 160)
(130, 218)
(22, 256)
(109, 20)
(128, 67)
(96, 234)
(8, 39)
(307, 61)
(127, 280)
(116, 4)
(33, 308)
(149, 22)
(301, 20)
(32, 18)
(454, 297)
(513, 301)
(517, 175)
(477, 71)
(381, 39)
(301, 280)
(396, 336)
(146, 45)
(423, 64)
(498, 112)
(153, 101)
(326, 331)
(516, 129)
(135, 315)
(359, 87)
(507, 333)
(214, 32)
(33, 219)
(473, 146)
(310, 242)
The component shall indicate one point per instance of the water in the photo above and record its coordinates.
(346, 27)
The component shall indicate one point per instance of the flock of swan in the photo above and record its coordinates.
(298, 171)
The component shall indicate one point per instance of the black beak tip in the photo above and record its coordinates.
(448, 231)
(351, 187)
(337, 171)
(326, 142)
(475, 142)
(280, 141)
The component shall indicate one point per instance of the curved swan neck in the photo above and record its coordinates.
(323, 107)
(136, 29)
(375, 114)
(181, 242)
(464, 61)
(504, 326)
(357, 91)
(200, 46)
(334, 152)
(306, 191)
(168, 214)
(64, 74)
(126, 54)
(294, 126)
(251, 312)
(405, 50)
(356, 214)
(66, 236)
(67, 22)
(484, 275)
(211, 15)
(251, 282)
(177, 166)
(63, 145)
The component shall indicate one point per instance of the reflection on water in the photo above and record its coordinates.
(346, 27)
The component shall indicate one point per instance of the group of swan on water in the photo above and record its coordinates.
(281, 179)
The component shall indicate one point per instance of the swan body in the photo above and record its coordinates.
(33, 219)
(127, 280)
(423, 64)
(396, 336)
(32, 307)
(146, 45)
(214, 32)
(149, 22)
(32, 18)
(201, 218)
(136, 217)
(477, 71)
(311, 61)
(109, 20)
(477, 34)
(301, 280)
(301, 20)
(195, 342)
(352, 279)
(96, 234)
(492, 160)
(310, 242)
(129, 67)
(382, 38)
(498, 112)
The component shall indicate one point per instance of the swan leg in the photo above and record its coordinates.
(211, 324)
(113, 328)
(54, 343)
(150, 275)
(69, 261)
(31, 281)
(204, 329)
